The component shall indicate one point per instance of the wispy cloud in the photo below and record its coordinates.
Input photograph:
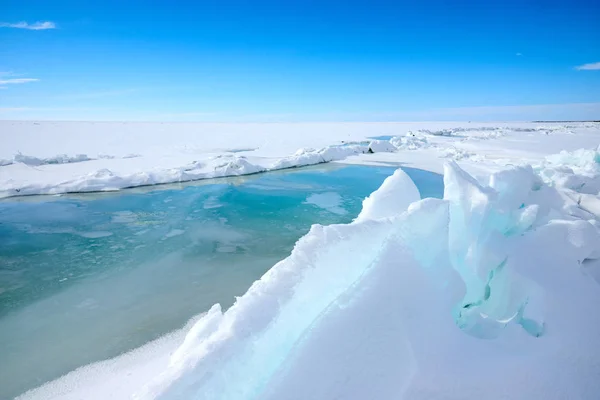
(518, 54)
(6, 79)
(589, 67)
(36, 26)
(17, 81)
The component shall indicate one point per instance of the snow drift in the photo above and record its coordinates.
(222, 165)
(478, 295)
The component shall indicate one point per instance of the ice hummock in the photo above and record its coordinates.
(577, 170)
(478, 295)
(31, 181)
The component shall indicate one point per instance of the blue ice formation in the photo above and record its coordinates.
(372, 309)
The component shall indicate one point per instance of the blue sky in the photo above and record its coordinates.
(299, 60)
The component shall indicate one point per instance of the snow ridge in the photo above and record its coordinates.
(218, 166)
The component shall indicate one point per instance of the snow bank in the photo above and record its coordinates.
(577, 170)
(382, 146)
(447, 299)
(307, 156)
(54, 158)
(394, 196)
(577, 175)
(494, 132)
(460, 154)
(410, 141)
(57, 159)
(222, 165)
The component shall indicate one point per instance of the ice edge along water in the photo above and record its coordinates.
(222, 165)
(415, 299)
(113, 156)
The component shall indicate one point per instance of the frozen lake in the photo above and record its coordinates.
(87, 277)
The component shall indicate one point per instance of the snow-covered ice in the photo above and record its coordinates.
(59, 157)
(486, 293)
(394, 196)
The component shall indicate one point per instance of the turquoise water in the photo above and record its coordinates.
(85, 278)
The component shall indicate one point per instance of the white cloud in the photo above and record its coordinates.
(36, 26)
(17, 81)
(588, 67)
(6, 79)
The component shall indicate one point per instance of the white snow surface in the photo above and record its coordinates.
(393, 197)
(58, 157)
(490, 292)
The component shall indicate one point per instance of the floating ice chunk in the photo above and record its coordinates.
(95, 234)
(393, 197)
(329, 201)
(212, 202)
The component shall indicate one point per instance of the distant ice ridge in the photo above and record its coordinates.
(214, 167)
(57, 159)
(578, 170)
(577, 174)
(461, 154)
(487, 132)
(35, 161)
(416, 299)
